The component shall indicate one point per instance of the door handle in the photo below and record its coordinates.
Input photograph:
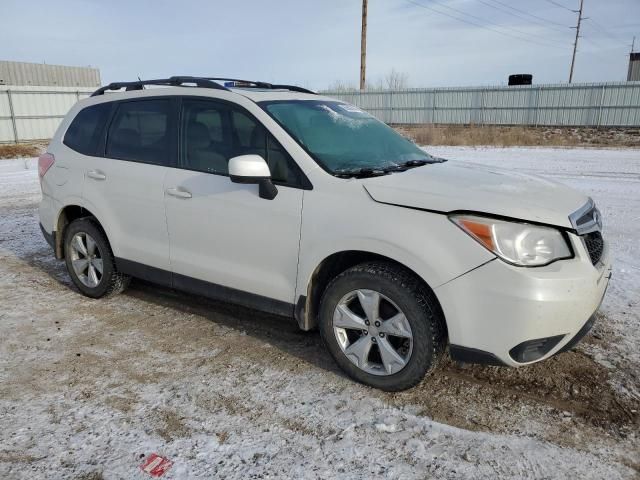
(179, 193)
(96, 175)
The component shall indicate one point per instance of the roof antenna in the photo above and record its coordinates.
(140, 80)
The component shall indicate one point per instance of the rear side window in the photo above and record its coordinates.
(140, 132)
(84, 133)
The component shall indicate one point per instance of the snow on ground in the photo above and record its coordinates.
(88, 388)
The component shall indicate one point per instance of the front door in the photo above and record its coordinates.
(226, 241)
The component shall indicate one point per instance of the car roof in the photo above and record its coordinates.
(253, 94)
(262, 95)
(204, 86)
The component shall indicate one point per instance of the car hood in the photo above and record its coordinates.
(460, 186)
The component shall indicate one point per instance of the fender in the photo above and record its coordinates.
(60, 223)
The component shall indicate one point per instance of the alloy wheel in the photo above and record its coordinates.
(373, 332)
(86, 259)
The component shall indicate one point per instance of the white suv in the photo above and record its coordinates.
(285, 201)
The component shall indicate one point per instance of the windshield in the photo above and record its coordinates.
(341, 137)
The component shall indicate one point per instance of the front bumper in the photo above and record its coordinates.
(502, 314)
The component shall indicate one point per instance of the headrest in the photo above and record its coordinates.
(127, 136)
(197, 135)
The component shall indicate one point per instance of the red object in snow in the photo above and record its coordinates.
(155, 465)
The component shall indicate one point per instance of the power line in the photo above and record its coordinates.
(603, 30)
(546, 23)
(469, 22)
(560, 5)
(601, 57)
(489, 22)
(527, 13)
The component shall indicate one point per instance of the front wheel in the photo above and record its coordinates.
(90, 261)
(382, 325)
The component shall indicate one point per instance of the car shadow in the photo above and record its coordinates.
(280, 332)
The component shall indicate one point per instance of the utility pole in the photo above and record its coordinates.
(363, 46)
(575, 44)
(633, 44)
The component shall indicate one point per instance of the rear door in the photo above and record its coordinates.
(125, 184)
(63, 184)
(226, 241)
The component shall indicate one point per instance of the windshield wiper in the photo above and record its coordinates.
(366, 172)
(360, 172)
(419, 163)
(401, 167)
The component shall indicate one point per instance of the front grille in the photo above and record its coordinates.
(595, 245)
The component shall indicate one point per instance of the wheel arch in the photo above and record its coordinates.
(67, 215)
(307, 306)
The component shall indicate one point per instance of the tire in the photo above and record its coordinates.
(97, 253)
(420, 317)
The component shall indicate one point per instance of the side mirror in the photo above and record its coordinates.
(253, 169)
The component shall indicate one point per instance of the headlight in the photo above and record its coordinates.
(517, 243)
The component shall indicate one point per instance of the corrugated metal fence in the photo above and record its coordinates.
(34, 113)
(594, 104)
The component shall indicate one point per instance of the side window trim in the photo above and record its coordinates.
(102, 144)
(172, 129)
(305, 183)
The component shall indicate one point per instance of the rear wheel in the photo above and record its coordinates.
(90, 261)
(382, 325)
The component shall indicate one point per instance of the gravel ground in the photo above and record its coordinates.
(89, 388)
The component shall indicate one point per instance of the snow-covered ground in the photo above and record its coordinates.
(88, 388)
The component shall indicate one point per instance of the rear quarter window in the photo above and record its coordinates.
(140, 132)
(85, 132)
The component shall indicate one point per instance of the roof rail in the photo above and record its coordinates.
(177, 81)
(265, 85)
(293, 88)
(202, 82)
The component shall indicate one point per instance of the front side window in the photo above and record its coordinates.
(213, 133)
(84, 133)
(140, 132)
(341, 137)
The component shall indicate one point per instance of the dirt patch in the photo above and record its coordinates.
(173, 425)
(97, 475)
(473, 135)
(17, 457)
(18, 150)
(222, 436)
(574, 394)
(123, 404)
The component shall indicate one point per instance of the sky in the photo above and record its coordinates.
(317, 43)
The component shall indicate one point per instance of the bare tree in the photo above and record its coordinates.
(395, 80)
(341, 86)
